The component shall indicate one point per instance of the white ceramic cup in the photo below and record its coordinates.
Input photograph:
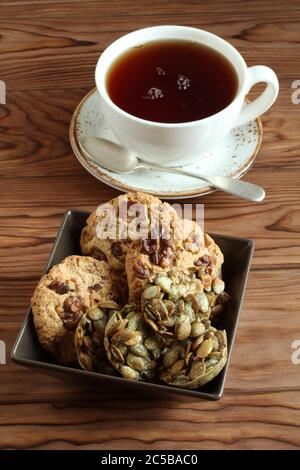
(181, 143)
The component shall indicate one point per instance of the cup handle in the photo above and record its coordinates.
(257, 74)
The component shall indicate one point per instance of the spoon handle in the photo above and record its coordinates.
(242, 189)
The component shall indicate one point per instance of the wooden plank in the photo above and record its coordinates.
(45, 47)
(237, 422)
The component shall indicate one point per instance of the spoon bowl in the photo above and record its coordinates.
(108, 154)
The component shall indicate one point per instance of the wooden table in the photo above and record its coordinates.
(48, 54)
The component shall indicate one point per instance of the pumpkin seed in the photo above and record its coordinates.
(197, 342)
(212, 298)
(169, 323)
(218, 286)
(180, 307)
(85, 361)
(151, 343)
(177, 367)
(171, 357)
(123, 348)
(205, 348)
(122, 335)
(189, 312)
(221, 335)
(215, 342)
(193, 300)
(133, 320)
(117, 354)
(183, 328)
(135, 362)
(115, 326)
(129, 373)
(188, 358)
(198, 329)
(174, 292)
(151, 324)
(164, 283)
(150, 292)
(159, 307)
(96, 313)
(203, 302)
(211, 362)
(198, 368)
(135, 338)
(106, 343)
(170, 307)
(139, 350)
(216, 355)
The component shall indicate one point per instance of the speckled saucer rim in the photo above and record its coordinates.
(95, 170)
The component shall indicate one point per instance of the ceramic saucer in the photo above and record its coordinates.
(233, 157)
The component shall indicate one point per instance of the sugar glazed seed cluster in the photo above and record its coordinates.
(179, 310)
(144, 310)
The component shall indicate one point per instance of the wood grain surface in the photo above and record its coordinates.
(48, 51)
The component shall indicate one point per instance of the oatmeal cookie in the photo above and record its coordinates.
(191, 252)
(133, 213)
(62, 296)
(147, 258)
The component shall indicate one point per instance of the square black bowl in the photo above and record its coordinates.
(28, 352)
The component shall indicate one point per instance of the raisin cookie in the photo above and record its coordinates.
(112, 228)
(146, 259)
(62, 296)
